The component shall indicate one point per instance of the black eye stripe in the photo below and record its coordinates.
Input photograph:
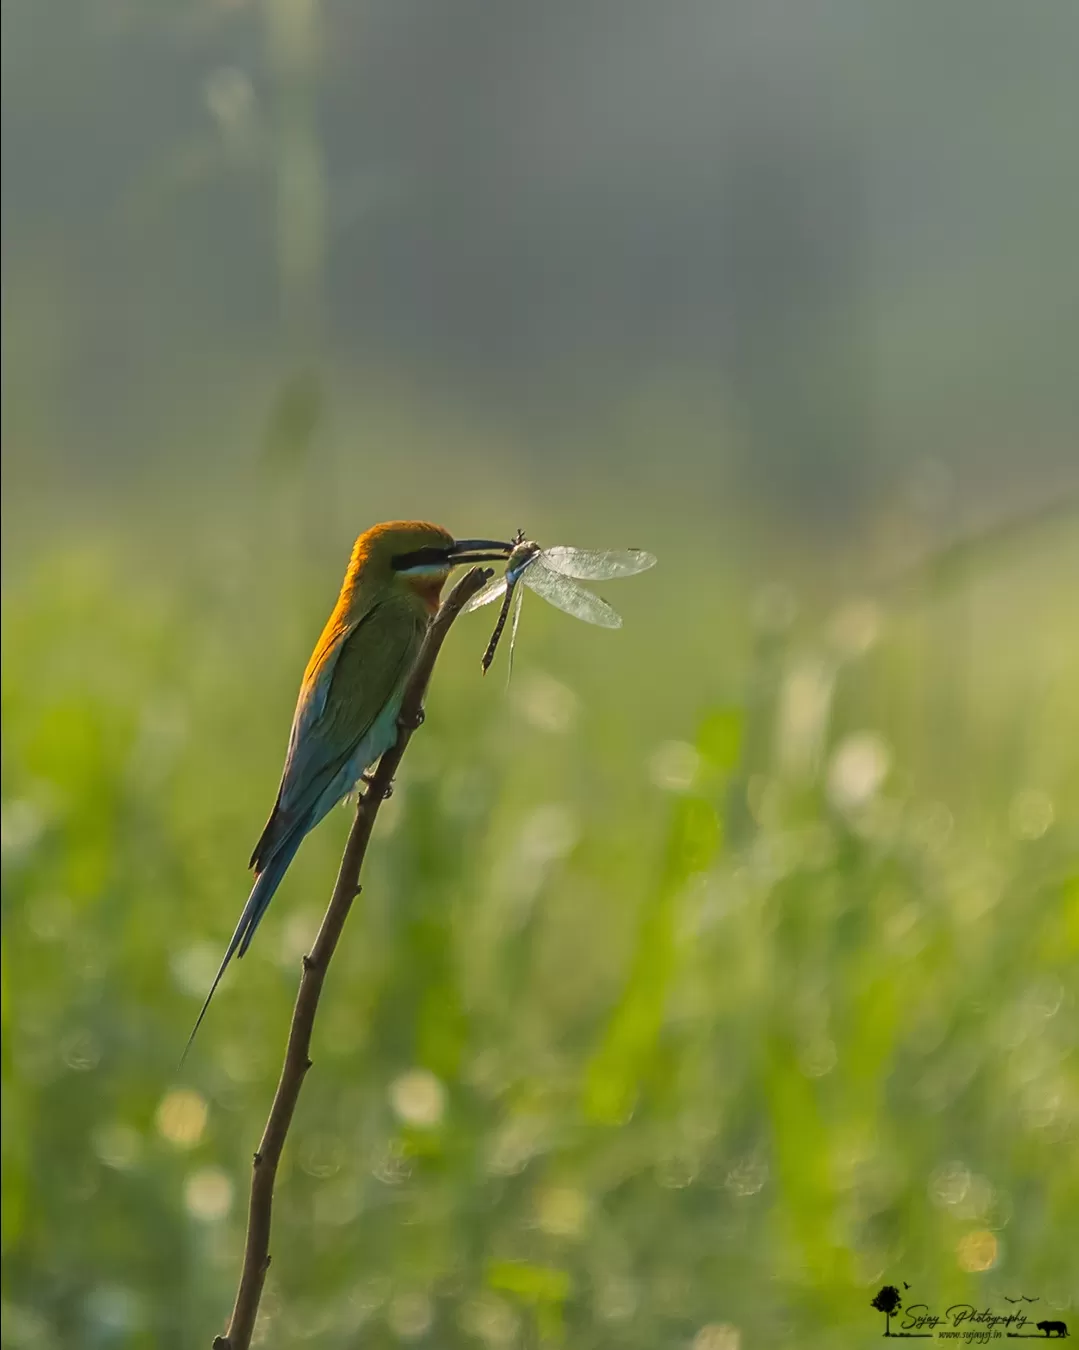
(420, 557)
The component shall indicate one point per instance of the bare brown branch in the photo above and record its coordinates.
(297, 1054)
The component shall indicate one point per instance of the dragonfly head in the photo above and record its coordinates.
(524, 551)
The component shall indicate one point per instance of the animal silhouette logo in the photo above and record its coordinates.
(1053, 1328)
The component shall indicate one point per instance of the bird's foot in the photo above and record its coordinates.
(413, 722)
(367, 779)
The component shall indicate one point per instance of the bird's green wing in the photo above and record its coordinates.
(373, 665)
(337, 708)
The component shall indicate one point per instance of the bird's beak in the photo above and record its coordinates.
(478, 551)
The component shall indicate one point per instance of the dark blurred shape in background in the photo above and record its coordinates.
(851, 230)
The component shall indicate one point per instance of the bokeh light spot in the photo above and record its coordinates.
(858, 769)
(118, 1145)
(547, 833)
(81, 1051)
(818, 1057)
(181, 1118)
(51, 916)
(490, 1319)
(194, 966)
(718, 1336)
(949, 1184)
(321, 1155)
(616, 1298)
(115, 1310)
(418, 1099)
(545, 703)
(22, 824)
(1030, 814)
(410, 1316)
(748, 1176)
(674, 766)
(805, 706)
(516, 1142)
(297, 935)
(977, 1251)
(208, 1194)
(561, 1211)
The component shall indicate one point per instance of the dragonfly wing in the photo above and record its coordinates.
(566, 595)
(494, 590)
(513, 631)
(588, 564)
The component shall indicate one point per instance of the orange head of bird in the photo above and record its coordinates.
(417, 556)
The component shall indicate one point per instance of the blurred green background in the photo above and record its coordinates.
(723, 968)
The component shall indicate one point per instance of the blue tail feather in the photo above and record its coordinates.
(266, 883)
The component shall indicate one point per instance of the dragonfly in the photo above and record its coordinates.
(554, 573)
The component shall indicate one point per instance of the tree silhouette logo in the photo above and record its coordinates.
(888, 1302)
(979, 1322)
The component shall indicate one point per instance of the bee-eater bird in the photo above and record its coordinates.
(350, 697)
